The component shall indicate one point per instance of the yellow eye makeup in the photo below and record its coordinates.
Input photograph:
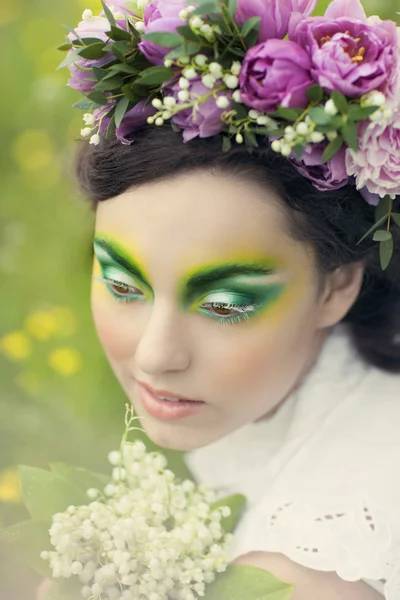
(228, 292)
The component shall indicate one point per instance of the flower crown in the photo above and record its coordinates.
(324, 90)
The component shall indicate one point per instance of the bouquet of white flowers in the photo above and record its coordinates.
(144, 535)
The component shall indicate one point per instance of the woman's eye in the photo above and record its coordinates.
(121, 289)
(225, 309)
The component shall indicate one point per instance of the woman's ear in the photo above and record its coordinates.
(340, 291)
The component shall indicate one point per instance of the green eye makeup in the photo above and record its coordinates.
(228, 293)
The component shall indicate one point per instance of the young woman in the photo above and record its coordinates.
(250, 327)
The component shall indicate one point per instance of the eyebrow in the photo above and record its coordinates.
(198, 281)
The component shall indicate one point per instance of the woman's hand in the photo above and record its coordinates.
(43, 588)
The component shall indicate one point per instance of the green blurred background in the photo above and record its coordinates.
(59, 400)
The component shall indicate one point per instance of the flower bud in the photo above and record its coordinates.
(184, 83)
(302, 129)
(169, 101)
(190, 73)
(150, 120)
(89, 118)
(183, 14)
(184, 96)
(316, 137)
(223, 102)
(236, 67)
(168, 62)
(86, 131)
(196, 22)
(286, 149)
(95, 139)
(331, 135)
(159, 121)
(330, 108)
(114, 457)
(236, 96)
(215, 69)
(200, 60)
(208, 81)
(87, 14)
(157, 103)
(276, 146)
(239, 138)
(231, 81)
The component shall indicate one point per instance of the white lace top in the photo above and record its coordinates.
(322, 475)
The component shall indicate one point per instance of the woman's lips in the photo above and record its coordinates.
(166, 393)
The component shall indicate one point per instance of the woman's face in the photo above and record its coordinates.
(239, 342)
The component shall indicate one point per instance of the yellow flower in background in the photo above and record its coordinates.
(28, 381)
(42, 324)
(10, 490)
(65, 360)
(57, 321)
(16, 345)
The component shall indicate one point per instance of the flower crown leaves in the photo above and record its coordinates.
(324, 90)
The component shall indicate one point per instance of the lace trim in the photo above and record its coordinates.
(354, 540)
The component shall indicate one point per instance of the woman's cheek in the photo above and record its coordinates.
(112, 331)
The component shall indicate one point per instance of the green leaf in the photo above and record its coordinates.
(93, 52)
(349, 133)
(124, 68)
(163, 38)
(232, 7)
(119, 49)
(109, 84)
(331, 149)
(299, 149)
(243, 582)
(186, 32)
(79, 476)
(99, 73)
(290, 114)
(130, 94)
(117, 34)
(65, 47)
(319, 116)
(356, 113)
(121, 109)
(208, 7)
(250, 139)
(237, 504)
(109, 14)
(84, 104)
(340, 102)
(252, 24)
(396, 218)
(377, 224)
(88, 41)
(155, 75)
(98, 98)
(111, 127)
(386, 252)
(315, 93)
(28, 539)
(226, 144)
(383, 208)
(134, 31)
(69, 59)
(46, 493)
(382, 236)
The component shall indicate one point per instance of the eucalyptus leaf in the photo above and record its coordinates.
(377, 224)
(383, 208)
(163, 38)
(382, 235)
(340, 101)
(46, 493)
(243, 582)
(349, 133)
(396, 218)
(84, 104)
(357, 113)
(117, 34)
(108, 14)
(65, 47)
(124, 68)
(93, 52)
(79, 476)
(237, 504)
(98, 98)
(206, 8)
(28, 539)
(232, 7)
(386, 252)
(226, 144)
(155, 76)
(315, 93)
(331, 149)
(109, 84)
(120, 110)
(252, 24)
(319, 116)
(69, 59)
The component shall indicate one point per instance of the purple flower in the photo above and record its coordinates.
(331, 175)
(136, 117)
(376, 164)
(204, 119)
(123, 7)
(160, 15)
(350, 53)
(275, 14)
(275, 72)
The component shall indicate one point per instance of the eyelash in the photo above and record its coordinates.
(244, 309)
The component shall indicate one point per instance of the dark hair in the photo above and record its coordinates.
(332, 222)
